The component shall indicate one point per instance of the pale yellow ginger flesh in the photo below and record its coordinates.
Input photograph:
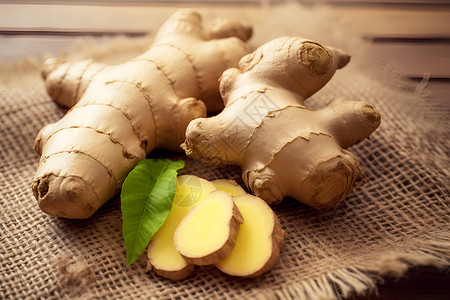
(208, 232)
(229, 186)
(206, 226)
(163, 258)
(120, 113)
(284, 148)
(258, 242)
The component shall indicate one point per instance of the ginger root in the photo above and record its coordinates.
(207, 234)
(259, 240)
(163, 257)
(283, 147)
(121, 113)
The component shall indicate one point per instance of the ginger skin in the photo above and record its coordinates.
(121, 113)
(283, 147)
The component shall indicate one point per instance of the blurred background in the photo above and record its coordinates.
(412, 36)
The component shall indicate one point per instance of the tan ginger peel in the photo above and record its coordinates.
(121, 113)
(283, 147)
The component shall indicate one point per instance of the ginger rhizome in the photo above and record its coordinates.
(207, 234)
(120, 113)
(163, 257)
(283, 147)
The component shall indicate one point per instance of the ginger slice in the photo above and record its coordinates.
(259, 240)
(229, 186)
(163, 258)
(208, 232)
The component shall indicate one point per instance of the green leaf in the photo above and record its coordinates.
(146, 199)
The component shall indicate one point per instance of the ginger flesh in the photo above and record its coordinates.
(163, 258)
(229, 186)
(258, 242)
(260, 237)
(120, 113)
(205, 226)
(207, 234)
(284, 148)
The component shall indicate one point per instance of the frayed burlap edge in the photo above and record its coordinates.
(363, 279)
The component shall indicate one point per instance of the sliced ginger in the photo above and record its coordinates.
(258, 242)
(163, 258)
(208, 232)
(229, 186)
(237, 232)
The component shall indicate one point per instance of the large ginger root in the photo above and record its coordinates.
(283, 147)
(120, 113)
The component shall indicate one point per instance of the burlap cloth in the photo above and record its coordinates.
(399, 219)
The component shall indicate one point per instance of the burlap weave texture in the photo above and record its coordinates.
(400, 218)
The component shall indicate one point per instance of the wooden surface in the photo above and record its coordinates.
(413, 36)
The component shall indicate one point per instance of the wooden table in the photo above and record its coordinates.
(413, 36)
